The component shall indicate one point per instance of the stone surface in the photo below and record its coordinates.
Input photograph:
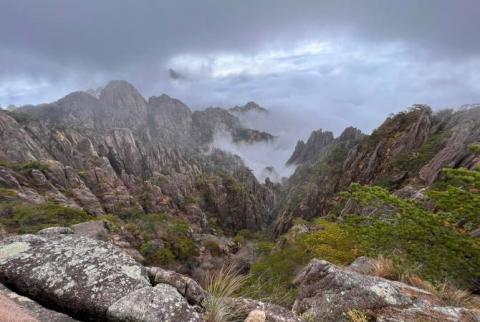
(55, 231)
(273, 313)
(328, 292)
(256, 316)
(152, 304)
(362, 265)
(188, 287)
(18, 308)
(95, 229)
(81, 276)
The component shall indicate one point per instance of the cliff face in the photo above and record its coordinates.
(120, 154)
(408, 148)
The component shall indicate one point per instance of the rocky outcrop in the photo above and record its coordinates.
(152, 304)
(117, 153)
(328, 293)
(409, 148)
(213, 120)
(188, 287)
(317, 145)
(88, 278)
(95, 229)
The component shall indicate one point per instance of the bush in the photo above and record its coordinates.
(457, 198)
(272, 274)
(24, 218)
(213, 247)
(172, 230)
(418, 238)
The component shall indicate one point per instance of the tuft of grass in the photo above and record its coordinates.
(220, 286)
(416, 281)
(455, 296)
(446, 291)
(356, 315)
(385, 267)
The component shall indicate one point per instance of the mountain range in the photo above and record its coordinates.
(146, 176)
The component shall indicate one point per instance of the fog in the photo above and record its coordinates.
(312, 63)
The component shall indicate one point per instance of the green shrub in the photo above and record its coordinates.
(155, 255)
(172, 230)
(457, 198)
(24, 218)
(213, 247)
(423, 241)
(192, 200)
(272, 274)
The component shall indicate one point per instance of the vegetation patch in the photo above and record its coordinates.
(418, 240)
(271, 276)
(24, 218)
(24, 167)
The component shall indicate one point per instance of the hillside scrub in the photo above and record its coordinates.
(417, 239)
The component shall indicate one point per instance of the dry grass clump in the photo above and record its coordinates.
(446, 291)
(385, 267)
(357, 316)
(221, 285)
(416, 281)
(452, 295)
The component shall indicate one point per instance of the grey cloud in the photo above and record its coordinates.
(69, 45)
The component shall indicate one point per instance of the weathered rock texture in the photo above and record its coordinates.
(273, 313)
(18, 308)
(87, 278)
(118, 153)
(328, 293)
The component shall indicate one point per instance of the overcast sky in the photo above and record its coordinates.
(326, 64)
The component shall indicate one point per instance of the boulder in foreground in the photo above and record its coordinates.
(87, 278)
(329, 293)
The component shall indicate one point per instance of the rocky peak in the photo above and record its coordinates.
(249, 107)
(125, 106)
(169, 118)
(351, 134)
(316, 146)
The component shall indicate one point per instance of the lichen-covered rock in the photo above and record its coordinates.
(151, 304)
(95, 229)
(327, 293)
(188, 287)
(273, 313)
(81, 276)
